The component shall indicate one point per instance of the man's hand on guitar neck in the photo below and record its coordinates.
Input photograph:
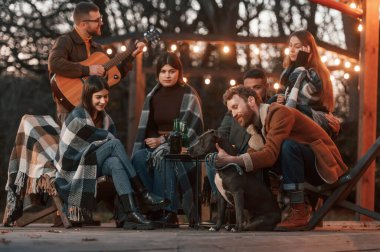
(97, 70)
(139, 48)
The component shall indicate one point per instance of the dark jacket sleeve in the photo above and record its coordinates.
(59, 62)
(225, 126)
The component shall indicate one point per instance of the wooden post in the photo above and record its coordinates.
(368, 81)
(136, 100)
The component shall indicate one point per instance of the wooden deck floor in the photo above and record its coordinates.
(334, 236)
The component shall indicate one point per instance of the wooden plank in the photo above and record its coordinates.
(28, 218)
(342, 7)
(59, 206)
(368, 81)
(136, 100)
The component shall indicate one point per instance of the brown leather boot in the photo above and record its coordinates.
(299, 214)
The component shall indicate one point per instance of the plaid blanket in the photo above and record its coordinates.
(191, 113)
(76, 161)
(32, 157)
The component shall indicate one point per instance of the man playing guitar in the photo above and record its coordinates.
(76, 46)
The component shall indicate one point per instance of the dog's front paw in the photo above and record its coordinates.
(228, 227)
(213, 229)
(235, 230)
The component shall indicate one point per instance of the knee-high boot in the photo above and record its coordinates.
(134, 220)
(147, 199)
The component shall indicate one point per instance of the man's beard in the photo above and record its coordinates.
(93, 33)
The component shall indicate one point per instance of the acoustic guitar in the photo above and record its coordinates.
(69, 90)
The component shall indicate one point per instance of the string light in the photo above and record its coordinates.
(123, 48)
(232, 82)
(324, 58)
(196, 49)
(145, 49)
(256, 51)
(173, 47)
(360, 27)
(346, 76)
(337, 61)
(207, 81)
(286, 51)
(353, 5)
(276, 86)
(109, 51)
(184, 79)
(357, 68)
(226, 49)
(347, 64)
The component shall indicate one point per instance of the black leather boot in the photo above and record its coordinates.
(134, 220)
(149, 201)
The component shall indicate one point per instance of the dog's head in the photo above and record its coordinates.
(206, 142)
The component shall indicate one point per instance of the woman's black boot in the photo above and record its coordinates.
(134, 220)
(148, 200)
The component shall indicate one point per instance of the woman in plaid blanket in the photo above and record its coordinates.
(88, 149)
(307, 82)
(171, 98)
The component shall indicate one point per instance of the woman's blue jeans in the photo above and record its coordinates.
(112, 160)
(162, 181)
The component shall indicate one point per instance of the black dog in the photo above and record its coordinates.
(241, 189)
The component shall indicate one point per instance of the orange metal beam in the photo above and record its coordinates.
(368, 81)
(344, 8)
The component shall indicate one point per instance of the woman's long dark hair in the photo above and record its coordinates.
(170, 58)
(315, 62)
(92, 85)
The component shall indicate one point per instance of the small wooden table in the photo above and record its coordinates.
(183, 157)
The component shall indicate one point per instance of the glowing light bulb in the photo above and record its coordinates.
(184, 79)
(256, 51)
(196, 49)
(346, 76)
(226, 49)
(232, 82)
(324, 58)
(347, 64)
(286, 51)
(360, 27)
(353, 5)
(357, 68)
(173, 47)
(207, 81)
(145, 49)
(337, 62)
(276, 86)
(109, 51)
(123, 48)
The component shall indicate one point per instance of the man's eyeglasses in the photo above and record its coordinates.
(99, 20)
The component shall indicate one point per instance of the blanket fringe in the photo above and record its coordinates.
(76, 213)
(43, 184)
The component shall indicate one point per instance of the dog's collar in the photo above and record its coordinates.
(234, 165)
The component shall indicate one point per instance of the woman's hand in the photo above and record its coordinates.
(153, 142)
(334, 122)
(280, 99)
